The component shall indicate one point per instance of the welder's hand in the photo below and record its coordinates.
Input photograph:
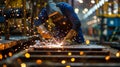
(66, 42)
(68, 37)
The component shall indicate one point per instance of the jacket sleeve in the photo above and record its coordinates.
(42, 17)
(72, 16)
(76, 24)
(68, 11)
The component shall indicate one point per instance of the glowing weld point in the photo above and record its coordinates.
(51, 45)
(59, 44)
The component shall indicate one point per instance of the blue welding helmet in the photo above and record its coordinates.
(51, 8)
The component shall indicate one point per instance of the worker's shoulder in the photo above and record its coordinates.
(63, 4)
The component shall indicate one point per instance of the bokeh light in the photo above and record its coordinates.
(72, 59)
(69, 53)
(10, 54)
(107, 58)
(38, 61)
(4, 65)
(118, 54)
(87, 42)
(68, 66)
(63, 61)
(23, 65)
(27, 55)
(81, 53)
(1, 56)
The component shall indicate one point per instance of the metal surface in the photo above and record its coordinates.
(72, 55)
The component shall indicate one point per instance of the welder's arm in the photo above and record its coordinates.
(69, 12)
(71, 15)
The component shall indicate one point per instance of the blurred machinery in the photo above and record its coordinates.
(2, 19)
(16, 16)
(110, 20)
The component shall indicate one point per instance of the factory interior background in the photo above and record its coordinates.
(100, 24)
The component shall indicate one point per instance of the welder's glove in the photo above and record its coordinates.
(66, 42)
(68, 39)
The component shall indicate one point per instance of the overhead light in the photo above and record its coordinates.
(80, 1)
(115, 11)
(109, 13)
(92, 1)
(86, 10)
(95, 17)
(83, 12)
(95, 7)
(76, 10)
(17, 10)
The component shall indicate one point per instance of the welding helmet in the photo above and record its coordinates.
(51, 7)
(54, 12)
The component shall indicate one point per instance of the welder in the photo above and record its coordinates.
(61, 22)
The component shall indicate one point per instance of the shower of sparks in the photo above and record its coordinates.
(48, 43)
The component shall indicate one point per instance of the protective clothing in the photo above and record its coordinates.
(67, 23)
